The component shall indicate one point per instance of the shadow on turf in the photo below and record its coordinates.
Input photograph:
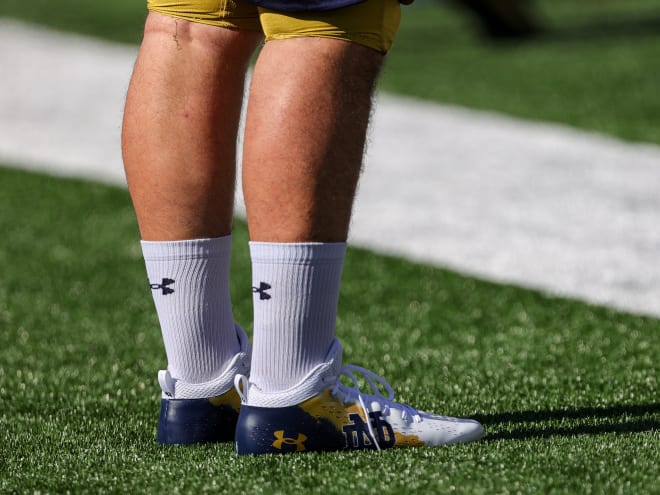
(622, 419)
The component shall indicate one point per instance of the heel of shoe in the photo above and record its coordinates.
(189, 421)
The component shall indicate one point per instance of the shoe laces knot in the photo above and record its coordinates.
(376, 384)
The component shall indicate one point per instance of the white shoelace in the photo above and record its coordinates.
(375, 382)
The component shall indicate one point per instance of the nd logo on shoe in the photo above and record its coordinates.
(357, 432)
(281, 440)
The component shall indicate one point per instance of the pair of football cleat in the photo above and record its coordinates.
(319, 414)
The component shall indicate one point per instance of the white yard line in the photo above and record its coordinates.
(543, 206)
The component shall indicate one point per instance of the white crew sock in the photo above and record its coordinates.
(296, 292)
(189, 282)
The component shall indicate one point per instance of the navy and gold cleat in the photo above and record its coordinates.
(186, 420)
(323, 414)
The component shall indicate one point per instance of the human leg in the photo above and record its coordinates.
(307, 118)
(304, 145)
(179, 135)
(180, 126)
(306, 138)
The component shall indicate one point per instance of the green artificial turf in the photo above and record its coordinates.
(568, 392)
(119, 20)
(594, 66)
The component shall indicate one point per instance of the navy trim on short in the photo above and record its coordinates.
(303, 5)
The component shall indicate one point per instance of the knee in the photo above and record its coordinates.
(184, 33)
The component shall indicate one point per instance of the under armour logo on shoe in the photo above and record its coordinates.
(261, 290)
(163, 286)
(281, 440)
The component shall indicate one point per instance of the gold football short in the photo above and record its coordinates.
(371, 23)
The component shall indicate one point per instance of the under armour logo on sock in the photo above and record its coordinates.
(163, 286)
(261, 290)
